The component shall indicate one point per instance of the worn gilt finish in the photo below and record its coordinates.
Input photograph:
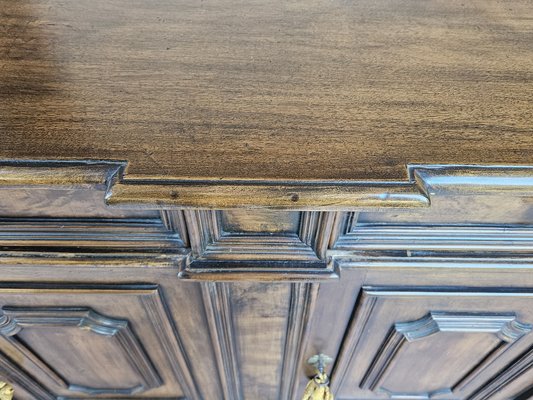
(197, 197)
(6, 391)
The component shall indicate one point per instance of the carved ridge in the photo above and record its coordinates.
(436, 394)
(504, 326)
(169, 337)
(513, 370)
(217, 303)
(18, 318)
(302, 302)
(362, 313)
(14, 374)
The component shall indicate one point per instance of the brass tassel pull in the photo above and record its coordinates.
(318, 387)
(6, 391)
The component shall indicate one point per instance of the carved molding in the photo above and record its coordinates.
(503, 325)
(442, 394)
(364, 308)
(296, 195)
(217, 254)
(14, 374)
(210, 242)
(435, 238)
(129, 234)
(150, 297)
(512, 371)
(169, 337)
(15, 319)
(217, 303)
(302, 302)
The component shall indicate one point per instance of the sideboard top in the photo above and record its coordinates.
(274, 90)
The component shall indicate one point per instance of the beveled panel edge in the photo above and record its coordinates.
(369, 298)
(342, 195)
(15, 375)
(224, 341)
(15, 319)
(303, 299)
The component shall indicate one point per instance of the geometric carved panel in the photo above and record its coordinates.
(121, 344)
(430, 343)
(53, 348)
(505, 327)
(261, 245)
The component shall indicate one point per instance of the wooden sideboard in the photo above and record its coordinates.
(197, 196)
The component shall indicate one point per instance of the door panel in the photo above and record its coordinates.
(107, 340)
(434, 343)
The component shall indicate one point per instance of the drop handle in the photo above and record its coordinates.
(6, 391)
(318, 386)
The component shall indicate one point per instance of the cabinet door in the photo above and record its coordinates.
(435, 343)
(61, 341)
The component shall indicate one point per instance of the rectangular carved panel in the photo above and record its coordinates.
(260, 221)
(229, 245)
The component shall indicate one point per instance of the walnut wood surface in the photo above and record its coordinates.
(267, 90)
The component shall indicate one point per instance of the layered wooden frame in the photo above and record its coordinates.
(219, 254)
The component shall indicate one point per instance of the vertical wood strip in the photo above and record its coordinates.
(219, 314)
(169, 337)
(302, 302)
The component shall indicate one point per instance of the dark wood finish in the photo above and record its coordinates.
(195, 197)
(267, 91)
(222, 248)
(76, 350)
(451, 285)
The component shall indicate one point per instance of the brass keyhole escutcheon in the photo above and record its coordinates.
(6, 391)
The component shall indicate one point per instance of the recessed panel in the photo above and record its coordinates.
(447, 357)
(96, 341)
(431, 343)
(82, 357)
(260, 221)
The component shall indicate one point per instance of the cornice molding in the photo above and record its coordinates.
(320, 195)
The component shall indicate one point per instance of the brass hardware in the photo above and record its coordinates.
(6, 391)
(318, 387)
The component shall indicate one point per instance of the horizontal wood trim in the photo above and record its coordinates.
(449, 238)
(109, 234)
(271, 271)
(309, 195)
(341, 195)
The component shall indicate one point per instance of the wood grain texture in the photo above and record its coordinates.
(45, 324)
(267, 90)
(16, 319)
